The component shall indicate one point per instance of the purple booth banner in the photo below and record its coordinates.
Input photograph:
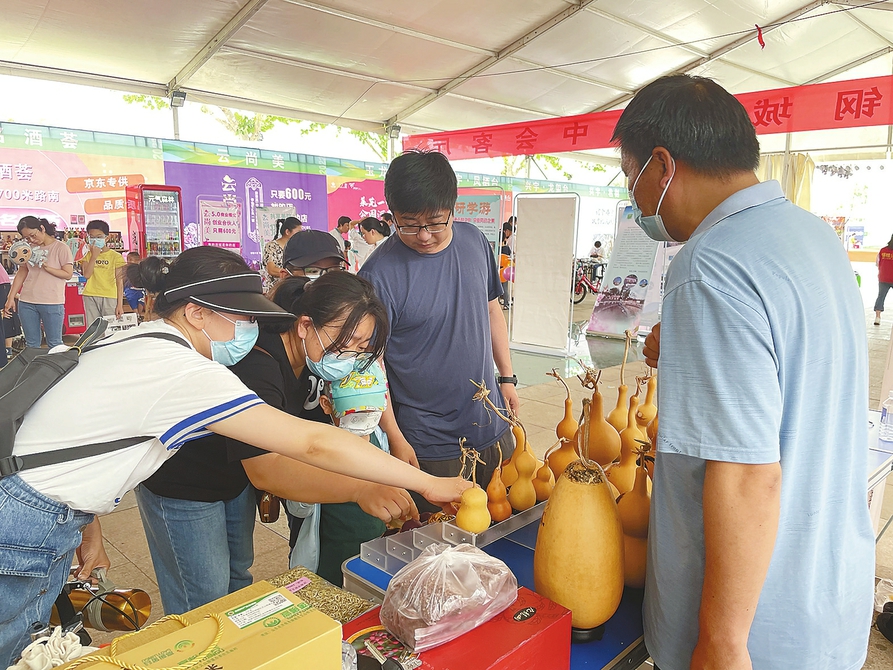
(250, 188)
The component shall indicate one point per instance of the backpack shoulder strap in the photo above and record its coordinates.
(41, 374)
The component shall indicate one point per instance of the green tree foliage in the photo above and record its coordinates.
(513, 166)
(147, 101)
(245, 126)
(377, 142)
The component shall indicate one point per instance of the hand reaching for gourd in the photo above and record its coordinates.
(386, 502)
(651, 350)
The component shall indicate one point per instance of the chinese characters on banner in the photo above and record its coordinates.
(827, 106)
(221, 226)
(483, 212)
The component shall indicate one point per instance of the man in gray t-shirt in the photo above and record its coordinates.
(440, 283)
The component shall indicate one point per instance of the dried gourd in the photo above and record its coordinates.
(648, 409)
(623, 474)
(652, 438)
(498, 504)
(521, 494)
(473, 514)
(510, 469)
(602, 441)
(581, 525)
(543, 482)
(634, 508)
(619, 416)
(567, 427)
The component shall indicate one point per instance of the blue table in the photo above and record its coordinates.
(622, 645)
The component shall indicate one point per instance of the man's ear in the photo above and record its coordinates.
(283, 273)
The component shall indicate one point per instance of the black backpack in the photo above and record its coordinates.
(28, 376)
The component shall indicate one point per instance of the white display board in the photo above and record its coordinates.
(266, 221)
(621, 297)
(544, 271)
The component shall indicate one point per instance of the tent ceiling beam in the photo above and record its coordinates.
(451, 43)
(390, 27)
(82, 78)
(515, 46)
(849, 66)
(885, 7)
(241, 17)
(280, 110)
(859, 22)
(722, 51)
(575, 77)
(663, 37)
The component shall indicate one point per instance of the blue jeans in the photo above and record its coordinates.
(881, 296)
(38, 537)
(201, 550)
(52, 316)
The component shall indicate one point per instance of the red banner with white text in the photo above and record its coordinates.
(840, 104)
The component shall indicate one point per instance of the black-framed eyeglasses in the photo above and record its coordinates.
(431, 227)
(312, 272)
(343, 354)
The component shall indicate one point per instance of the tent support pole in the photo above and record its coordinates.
(176, 113)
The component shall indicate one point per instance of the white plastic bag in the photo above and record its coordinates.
(445, 592)
(883, 593)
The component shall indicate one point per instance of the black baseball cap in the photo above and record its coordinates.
(309, 246)
(233, 294)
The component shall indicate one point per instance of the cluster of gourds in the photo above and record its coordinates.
(600, 504)
(516, 484)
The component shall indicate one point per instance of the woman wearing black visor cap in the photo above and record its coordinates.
(208, 301)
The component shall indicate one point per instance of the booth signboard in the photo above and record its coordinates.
(221, 224)
(484, 213)
(621, 298)
(266, 221)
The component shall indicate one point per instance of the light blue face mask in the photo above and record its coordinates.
(652, 225)
(232, 351)
(98, 242)
(331, 368)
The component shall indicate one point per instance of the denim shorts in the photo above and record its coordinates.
(38, 538)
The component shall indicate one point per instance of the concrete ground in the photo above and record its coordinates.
(542, 407)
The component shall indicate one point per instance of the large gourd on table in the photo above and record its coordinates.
(578, 561)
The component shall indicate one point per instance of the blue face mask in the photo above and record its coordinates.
(232, 351)
(331, 368)
(98, 242)
(652, 225)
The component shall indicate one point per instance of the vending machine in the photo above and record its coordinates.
(155, 220)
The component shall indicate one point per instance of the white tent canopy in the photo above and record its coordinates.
(443, 65)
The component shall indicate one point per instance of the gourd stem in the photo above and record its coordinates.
(628, 335)
(555, 374)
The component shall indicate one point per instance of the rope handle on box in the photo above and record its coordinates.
(111, 660)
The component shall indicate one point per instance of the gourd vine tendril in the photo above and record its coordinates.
(469, 455)
(483, 395)
(557, 376)
(628, 334)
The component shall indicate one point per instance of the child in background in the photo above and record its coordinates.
(104, 292)
(332, 533)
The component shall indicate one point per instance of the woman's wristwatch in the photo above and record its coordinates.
(513, 380)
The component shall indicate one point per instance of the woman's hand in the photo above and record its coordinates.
(386, 502)
(444, 490)
(10, 305)
(91, 554)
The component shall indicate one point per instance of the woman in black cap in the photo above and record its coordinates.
(208, 301)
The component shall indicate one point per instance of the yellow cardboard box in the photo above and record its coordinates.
(264, 628)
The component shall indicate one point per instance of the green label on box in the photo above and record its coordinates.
(258, 610)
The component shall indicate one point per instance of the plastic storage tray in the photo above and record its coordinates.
(391, 553)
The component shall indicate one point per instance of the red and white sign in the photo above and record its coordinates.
(840, 104)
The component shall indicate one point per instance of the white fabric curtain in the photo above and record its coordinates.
(795, 175)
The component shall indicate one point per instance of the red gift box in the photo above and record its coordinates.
(532, 634)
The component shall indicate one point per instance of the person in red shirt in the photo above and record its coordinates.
(884, 279)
